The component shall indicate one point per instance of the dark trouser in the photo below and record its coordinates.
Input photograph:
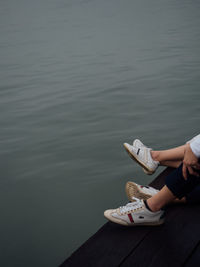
(180, 187)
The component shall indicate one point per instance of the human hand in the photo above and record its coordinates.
(190, 162)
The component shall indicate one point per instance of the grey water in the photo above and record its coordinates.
(77, 79)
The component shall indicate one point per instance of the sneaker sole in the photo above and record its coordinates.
(117, 221)
(132, 190)
(147, 172)
(138, 161)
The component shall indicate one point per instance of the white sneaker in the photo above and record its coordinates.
(134, 190)
(135, 213)
(137, 143)
(142, 156)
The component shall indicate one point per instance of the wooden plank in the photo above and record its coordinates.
(107, 247)
(171, 244)
(174, 243)
(194, 257)
(112, 243)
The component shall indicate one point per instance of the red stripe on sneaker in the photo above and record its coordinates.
(130, 218)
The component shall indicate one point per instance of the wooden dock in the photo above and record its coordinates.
(175, 243)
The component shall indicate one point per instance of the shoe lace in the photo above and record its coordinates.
(136, 204)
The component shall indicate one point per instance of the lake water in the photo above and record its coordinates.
(77, 79)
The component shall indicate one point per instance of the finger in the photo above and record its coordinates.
(192, 171)
(184, 171)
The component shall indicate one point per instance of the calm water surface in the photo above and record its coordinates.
(79, 78)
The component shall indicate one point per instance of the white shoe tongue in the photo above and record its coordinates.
(135, 200)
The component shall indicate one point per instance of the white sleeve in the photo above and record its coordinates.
(195, 146)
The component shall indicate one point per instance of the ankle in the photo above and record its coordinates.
(155, 155)
(152, 206)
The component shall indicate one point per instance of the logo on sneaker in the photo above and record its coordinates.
(130, 218)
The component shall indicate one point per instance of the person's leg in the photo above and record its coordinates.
(176, 153)
(177, 189)
(171, 163)
(162, 198)
(170, 157)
